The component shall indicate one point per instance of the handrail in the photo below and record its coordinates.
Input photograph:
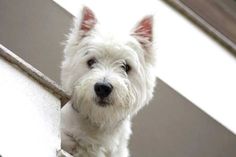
(204, 25)
(35, 74)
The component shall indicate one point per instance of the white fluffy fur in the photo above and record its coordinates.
(89, 130)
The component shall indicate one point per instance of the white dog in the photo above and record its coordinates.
(110, 80)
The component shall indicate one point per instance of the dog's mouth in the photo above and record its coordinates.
(103, 102)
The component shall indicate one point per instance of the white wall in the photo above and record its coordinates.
(29, 116)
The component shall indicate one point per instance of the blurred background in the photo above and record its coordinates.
(193, 110)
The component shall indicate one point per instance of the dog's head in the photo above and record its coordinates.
(109, 78)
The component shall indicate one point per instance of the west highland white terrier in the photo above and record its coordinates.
(110, 79)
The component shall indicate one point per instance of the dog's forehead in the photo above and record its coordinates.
(114, 49)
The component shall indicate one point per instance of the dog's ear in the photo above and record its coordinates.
(88, 21)
(143, 31)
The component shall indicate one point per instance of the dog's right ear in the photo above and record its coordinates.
(87, 22)
(143, 31)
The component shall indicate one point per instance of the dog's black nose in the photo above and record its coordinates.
(103, 89)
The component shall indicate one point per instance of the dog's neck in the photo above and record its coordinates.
(87, 125)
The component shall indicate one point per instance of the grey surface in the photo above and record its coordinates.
(170, 126)
(34, 30)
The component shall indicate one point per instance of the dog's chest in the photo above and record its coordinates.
(86, 140)
(96, 144)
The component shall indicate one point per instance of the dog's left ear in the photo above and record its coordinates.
(87, 21)
(143, 32)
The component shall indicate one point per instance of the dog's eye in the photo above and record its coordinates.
(126, 67)
(91, 62)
